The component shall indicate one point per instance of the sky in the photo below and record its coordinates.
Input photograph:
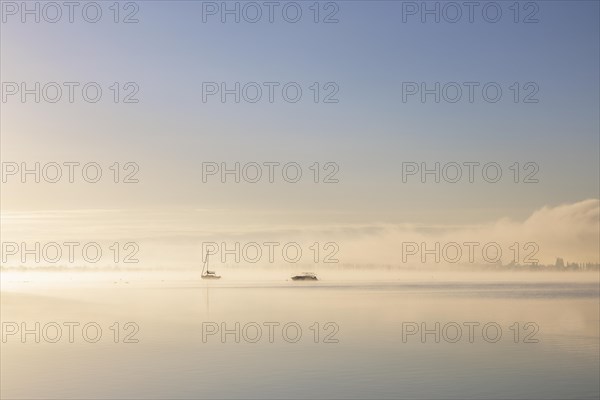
(364, 125)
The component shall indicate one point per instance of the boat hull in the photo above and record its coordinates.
(304, 278)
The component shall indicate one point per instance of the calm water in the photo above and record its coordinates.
(361, 353)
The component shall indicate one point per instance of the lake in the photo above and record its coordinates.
(257, 334)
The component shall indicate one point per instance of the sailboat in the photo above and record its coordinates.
(206, 274)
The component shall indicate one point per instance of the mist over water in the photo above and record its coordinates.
(362, 345)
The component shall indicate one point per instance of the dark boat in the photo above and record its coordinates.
(305, 276)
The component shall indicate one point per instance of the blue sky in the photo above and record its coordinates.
(369, 133)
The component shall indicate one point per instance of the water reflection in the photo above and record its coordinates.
(373, 358)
